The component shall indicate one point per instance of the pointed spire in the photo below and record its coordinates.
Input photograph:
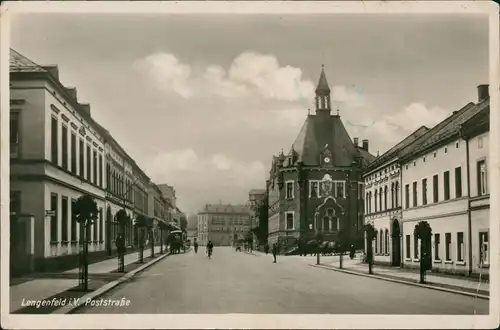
(323, 87)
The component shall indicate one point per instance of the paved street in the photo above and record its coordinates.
(236, 282)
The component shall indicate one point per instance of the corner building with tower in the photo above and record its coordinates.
(317, 187)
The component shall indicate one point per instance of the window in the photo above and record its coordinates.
(407, 196)
(484, 256)
(81, 170)
(64, 218)
(460, 247)
(435, 188)
(415, 246)
(396, 190)
(14, 134)
(386, 240)
(89, 165)
(73, 221)
(458, 182)
(376, 243)
(381, 242)
(64, 137)
(408, 247)
(380, 199)
(392, 195)
(340, 189)
(415, 196)
(313, 188)
(385, 198)
(448, 246)
(289, 190)
(53, 218)
(100, 171)
(482, 187)
(480, 142)
(424, 191)
(53, 142)
(376, 194)
(446, 182)
(96, 164)
(73, 153)
(437, 239)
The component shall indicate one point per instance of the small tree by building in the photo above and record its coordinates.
(86, 213)
(371, 233)
(423, 232)
(140, 223)
(122, 219)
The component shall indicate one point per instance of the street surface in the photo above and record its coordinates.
(236, 282)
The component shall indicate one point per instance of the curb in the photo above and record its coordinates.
(107, 287)
(427, 286)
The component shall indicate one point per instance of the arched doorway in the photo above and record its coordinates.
(396, 243)
(109, 218)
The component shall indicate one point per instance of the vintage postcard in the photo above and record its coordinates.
(281, 164)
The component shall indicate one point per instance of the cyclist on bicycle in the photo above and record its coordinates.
(210, 247)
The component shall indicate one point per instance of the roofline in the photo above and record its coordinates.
(418, 152)
(390, 161)
(384, 158)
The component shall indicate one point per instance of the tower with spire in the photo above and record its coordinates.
(323, 93)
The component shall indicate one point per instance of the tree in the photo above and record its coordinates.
(86, 213)
(122, 218)
(343, 243)
(140, 223)
(371, 233)
(423, 231)
(261, 212)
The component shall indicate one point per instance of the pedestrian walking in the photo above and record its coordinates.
(275, 251)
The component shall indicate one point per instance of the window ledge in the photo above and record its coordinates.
(450, 262)
(415, 260)
(460, 263)
(437, 261)
(64, 242)
(407, 259)
(54, 242)
(484, 266)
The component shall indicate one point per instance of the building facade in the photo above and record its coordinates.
(255, 197)
(57, 154)
(223, 224)
(443, 181)
(157, 209)
(382, 179)
(318, 187)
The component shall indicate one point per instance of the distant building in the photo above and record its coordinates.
(317, 187)
(168, 193)
(222, 224)
(255, 196)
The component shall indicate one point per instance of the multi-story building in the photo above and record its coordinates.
(57, 154)
(255, 197)
(140, 196)
(436, 187)
(476, 134)
(318, 187)
(157, 209)
(382, 179)
(223, 223)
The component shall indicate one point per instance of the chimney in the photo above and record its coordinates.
(482, 92)
(365, 145)
(356, 142)
(86, 108)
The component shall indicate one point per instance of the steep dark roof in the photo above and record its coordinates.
(391, 153)
(321, 130)
(20, 63)
(322, 87)
(442, 132)
(477, 124)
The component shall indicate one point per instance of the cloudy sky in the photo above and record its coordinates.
(203, 102)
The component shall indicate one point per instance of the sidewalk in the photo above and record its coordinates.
(409, 275)
(46, 285)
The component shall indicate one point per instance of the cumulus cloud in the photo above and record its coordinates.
(416, 115)
(197, 178)
(249, 72)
